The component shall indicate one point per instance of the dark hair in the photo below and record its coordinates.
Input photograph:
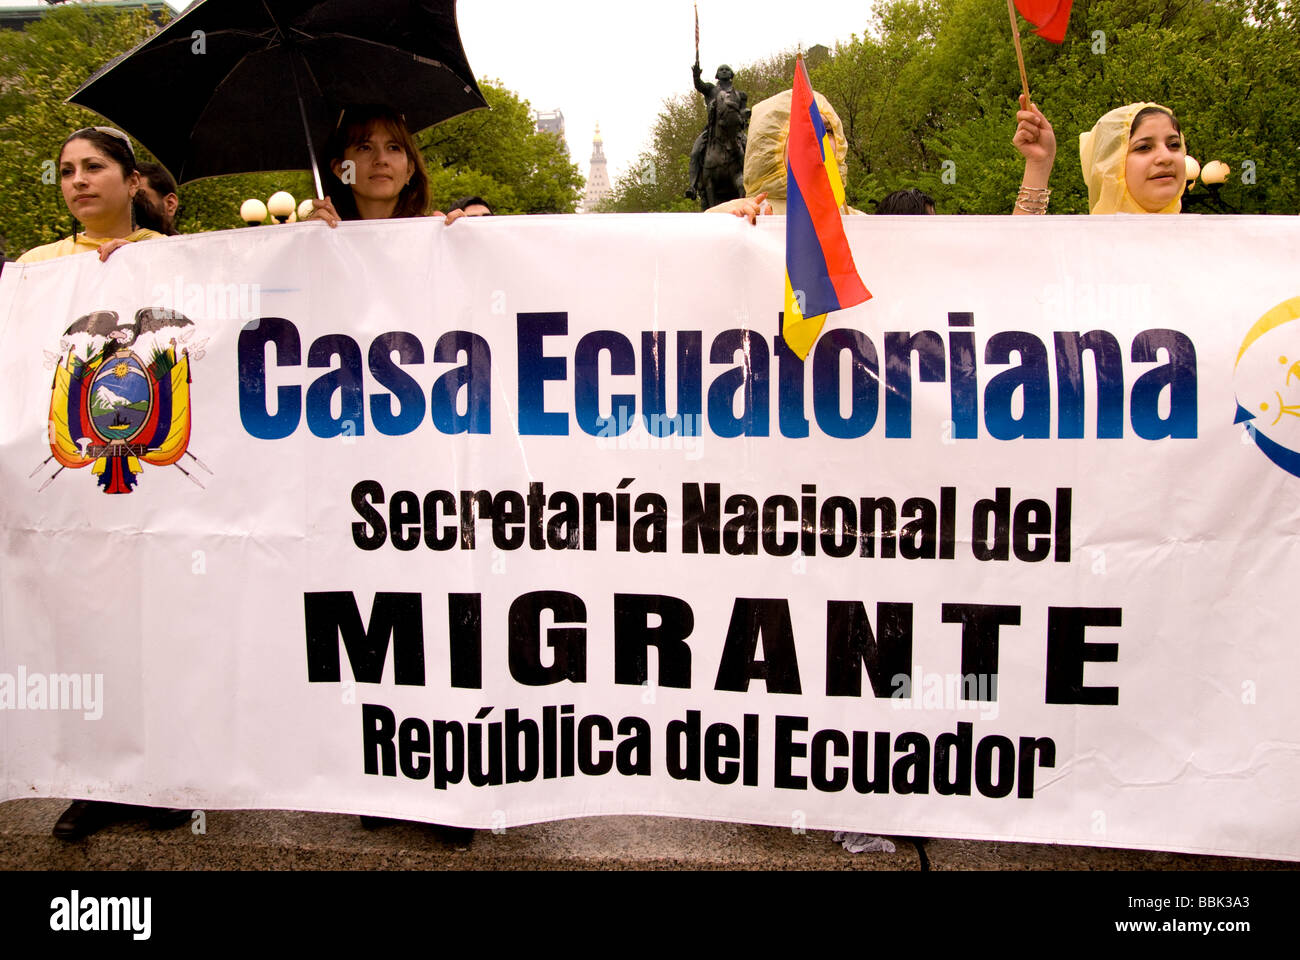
(115, 145)
(906, 202)
(156, 177)
(464, 203)
(112, 143)
(1149, 112)
(354, 123)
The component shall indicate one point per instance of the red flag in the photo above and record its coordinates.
(1051, 17)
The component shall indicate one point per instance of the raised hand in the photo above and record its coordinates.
(1034, 137)
(324, 210)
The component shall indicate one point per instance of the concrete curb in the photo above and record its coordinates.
(293, 840)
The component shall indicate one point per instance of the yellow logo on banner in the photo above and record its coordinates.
(1266, 378)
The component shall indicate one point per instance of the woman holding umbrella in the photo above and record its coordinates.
(99, 179)
(375, 169)
(376, 173)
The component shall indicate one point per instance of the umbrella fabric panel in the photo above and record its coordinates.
(234, 108)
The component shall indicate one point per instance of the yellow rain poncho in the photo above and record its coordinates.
(769, 126)
(1103, 152)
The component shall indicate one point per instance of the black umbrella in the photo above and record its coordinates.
(238, 86)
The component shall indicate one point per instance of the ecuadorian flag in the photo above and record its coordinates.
(820, 275)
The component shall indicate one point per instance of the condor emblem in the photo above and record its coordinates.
(121, 396)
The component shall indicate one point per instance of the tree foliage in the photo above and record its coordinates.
(658, 179)
(495, 154)
(43, 65)
(928, 93)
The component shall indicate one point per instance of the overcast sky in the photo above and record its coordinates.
(614, 62)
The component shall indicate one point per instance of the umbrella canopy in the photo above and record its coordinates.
(239, 86)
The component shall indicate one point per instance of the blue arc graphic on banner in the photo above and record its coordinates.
(1267, 382)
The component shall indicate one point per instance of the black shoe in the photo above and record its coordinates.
(84, 817)
(374, 823)
(458, 837)
(167, 818)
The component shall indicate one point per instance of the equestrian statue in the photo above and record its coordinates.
(718, 156)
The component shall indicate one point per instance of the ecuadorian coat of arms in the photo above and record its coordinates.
(121, 396)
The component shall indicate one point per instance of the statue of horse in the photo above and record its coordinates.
(717, 165)
(723, 167)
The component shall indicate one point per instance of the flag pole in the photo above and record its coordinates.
(1020, 57)
(697, 33)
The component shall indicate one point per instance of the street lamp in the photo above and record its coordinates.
(1215, 172)
(252, 212)
(281, 205)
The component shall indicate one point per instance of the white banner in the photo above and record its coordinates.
(531, 518)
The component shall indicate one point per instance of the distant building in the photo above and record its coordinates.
(816, 55)
(550, 121)
(597, 177)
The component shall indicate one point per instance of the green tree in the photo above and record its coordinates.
(499, 155)
(1225, 68)
(495, 154)
(927, 94)
(43, 65)
(658, 179)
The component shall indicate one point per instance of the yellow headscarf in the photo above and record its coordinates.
(769, 127)
(1103, 151)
